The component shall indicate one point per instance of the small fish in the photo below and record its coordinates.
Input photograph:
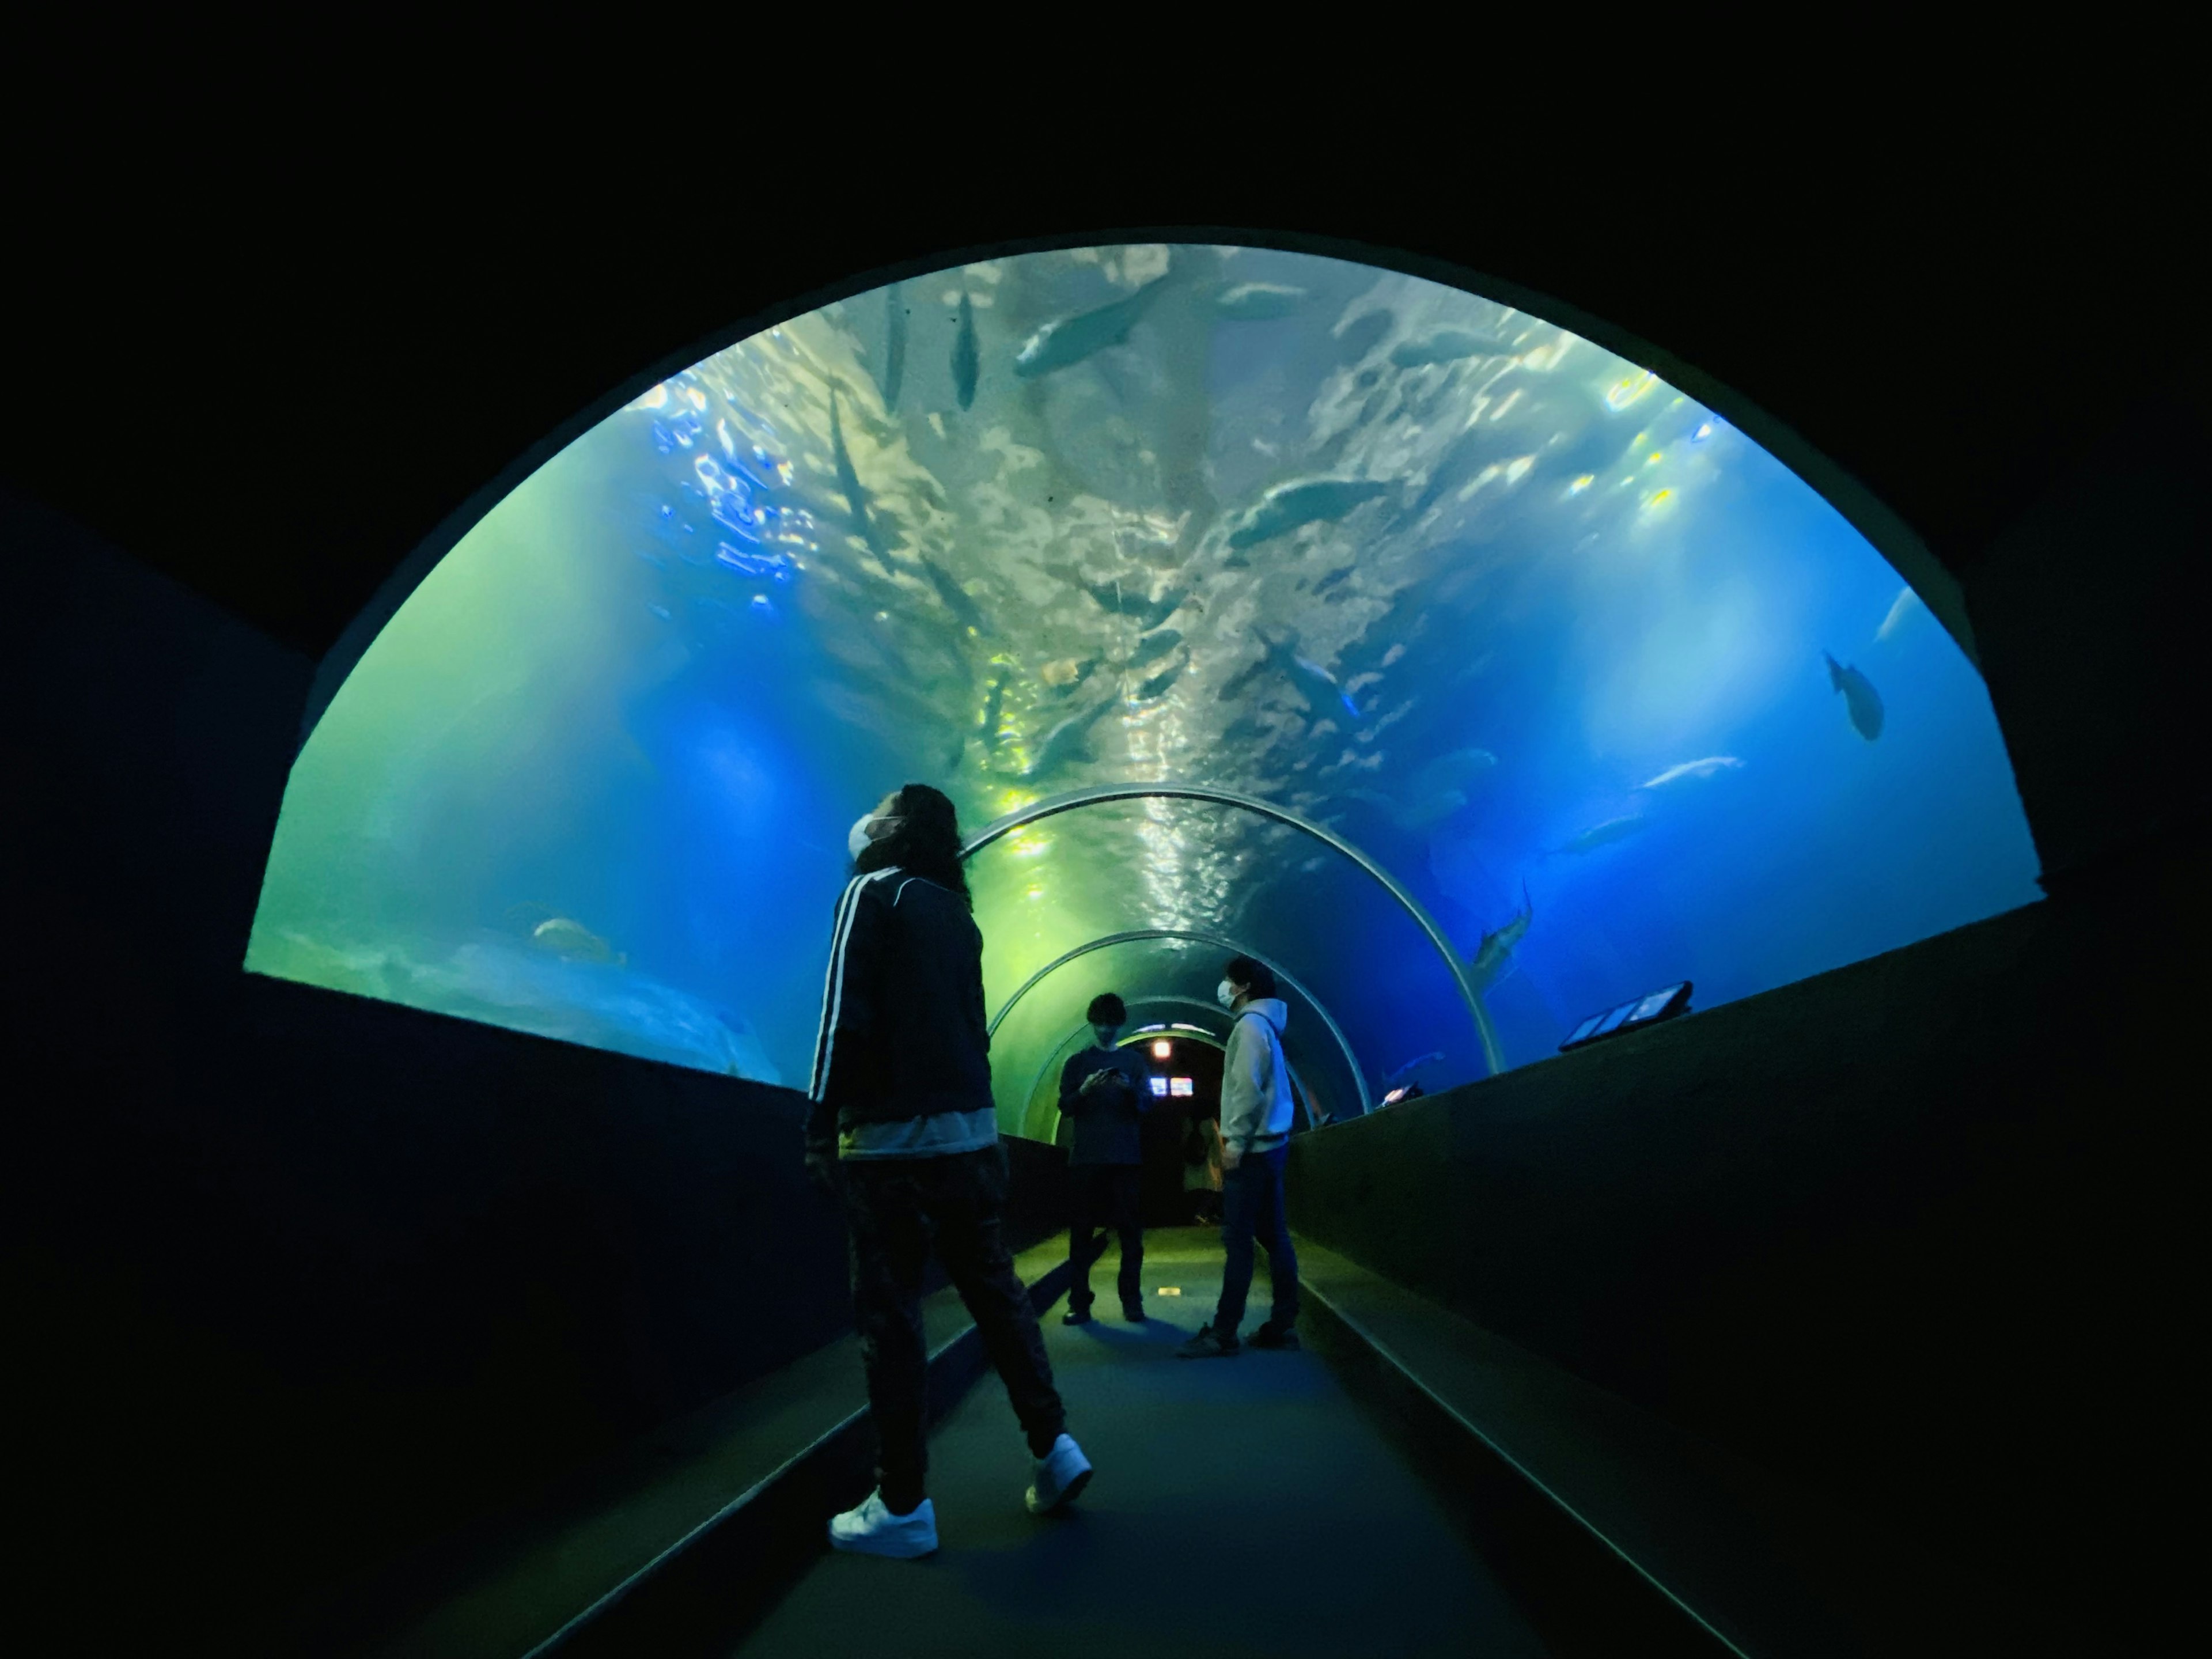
(1861, 700)
(1158, 684)
(894, 344)
(964, 362)
(1284, 656)
(1153, 646)
(1068, 340)
(954, 597)
(1148, 614)
(1252, 302)
(1446, 345)
(1068, 741)
(848, 481)
(1696, 769)
(1900, 613)
(1305, 500)
(1331, 581)
(1603, 835)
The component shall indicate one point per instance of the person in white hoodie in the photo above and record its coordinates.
(1255, 1143)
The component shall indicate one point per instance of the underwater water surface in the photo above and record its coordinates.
(1618, 699)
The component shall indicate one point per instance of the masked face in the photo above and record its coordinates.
(869, 826)
(1225, 995)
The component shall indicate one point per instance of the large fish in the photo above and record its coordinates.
(1446, 345)
(1067, 341)
(848, 481)
(1491, 957)
(1068, 741)
(1254, 302)
(964, 360)
(1303, 501)
(1603, 835)
(894, 344)
(1861, 700)
(954, 597)
(574, 942)
(1425, 814)
(1696, 769)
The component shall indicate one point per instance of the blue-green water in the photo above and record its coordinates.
(1539, 633)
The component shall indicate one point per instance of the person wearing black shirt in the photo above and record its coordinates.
(1104, 1092)
(903, 1127)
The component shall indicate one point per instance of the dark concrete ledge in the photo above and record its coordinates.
(1734, 1561)
(698, 1528)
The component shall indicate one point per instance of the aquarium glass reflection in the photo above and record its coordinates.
(1619, 699)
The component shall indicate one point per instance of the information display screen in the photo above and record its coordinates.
(1159, 1085)
(1179, 1085)
(1616, 1019)
(1656, 1003)
(1588, 1028)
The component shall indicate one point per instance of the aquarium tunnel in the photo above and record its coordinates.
(1242, 599)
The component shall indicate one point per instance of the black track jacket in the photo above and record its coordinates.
(903, 1032)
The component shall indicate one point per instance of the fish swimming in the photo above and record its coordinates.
(1900, 611)
(1117, 601)
(1696, 769)
(964, 361)
(894, 344)
(1153, 646)
(994, 702)
(1602, 835)
(1066, 673)
(1453, 771)
(1283, 656)
(1861, 700)
(1494, 955)
(1158, 685)
(1067, 341)
(1363, 334)
(963, 609)
(574, 942)
(1070, 740)
(1252, 302)
(1461, 460)
(848, 481)
(1331, 581)
(1303, 501)
(1425, 814)
(1446, 345)
(1418, 1059)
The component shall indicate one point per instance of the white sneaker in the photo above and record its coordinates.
(872, 1529)
(1058, 1477)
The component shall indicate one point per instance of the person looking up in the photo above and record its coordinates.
(1255, 1137)
(902, 1124)
(1104, 1091)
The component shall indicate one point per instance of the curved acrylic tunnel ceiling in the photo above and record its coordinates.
(1615, 697)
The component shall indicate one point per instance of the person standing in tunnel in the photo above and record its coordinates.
(903, 1124)
(1104, 1090)
(1255, 1145)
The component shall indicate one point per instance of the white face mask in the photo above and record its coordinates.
(863, 831)
(1225, 995)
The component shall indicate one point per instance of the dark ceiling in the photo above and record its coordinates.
(272, 377)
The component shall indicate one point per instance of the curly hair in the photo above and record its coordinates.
(925, 843)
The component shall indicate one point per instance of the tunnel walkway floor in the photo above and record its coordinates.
(1242, 1506)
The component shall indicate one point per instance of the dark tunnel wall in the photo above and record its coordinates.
(298, 1279)
(1908, 1231)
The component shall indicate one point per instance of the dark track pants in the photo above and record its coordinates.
(1252, 1205)
(1105, 1195)
(895, 1207)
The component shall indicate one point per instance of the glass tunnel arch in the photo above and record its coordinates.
(1536, 633)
